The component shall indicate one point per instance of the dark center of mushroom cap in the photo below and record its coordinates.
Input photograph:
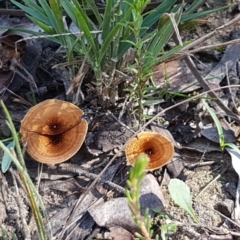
(149, 151)
(55, 139)
(54, 125)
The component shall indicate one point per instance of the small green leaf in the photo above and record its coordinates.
(6, 161)
(233, 146)
(169, 228)
(4, 233)
(181, 195)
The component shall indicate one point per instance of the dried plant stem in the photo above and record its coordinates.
(184, 52)
(211, 34)
(231, 42)
(81, 172)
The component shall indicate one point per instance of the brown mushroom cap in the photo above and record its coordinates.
(159, 149)
(52, 117)
(53, 131)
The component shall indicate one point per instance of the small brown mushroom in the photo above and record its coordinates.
(159, 149)
(53, 131)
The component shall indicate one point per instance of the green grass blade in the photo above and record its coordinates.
(156, 13)
(152, 17)
(80, 18)
(22, 30)
(67, 6)
(94, 8)
(167, 32)
(161, 38)
(36, 14)
(57, 13)
(233, 146)
(111, 36)
(46, 28)
(188, 17)
(151, 64)
(32, 6)
(32, 194)
(49, 12)
(217, 123)
(107, 19)
(194, 6)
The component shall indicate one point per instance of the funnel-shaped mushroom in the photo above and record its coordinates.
(53, 131)
(159, 149)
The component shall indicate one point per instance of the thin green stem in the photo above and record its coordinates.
(32, 194)
(35, 207)
(15, 135)
(7, 139)
(136, 176)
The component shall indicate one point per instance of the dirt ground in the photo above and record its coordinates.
(198, 161)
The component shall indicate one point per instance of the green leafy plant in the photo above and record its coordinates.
(167, 227)
(145, 223)
(136, 176)
(222, 142)
(181, 195)
(149, 49)
(32, 194)
(102, 52)
(104, 39)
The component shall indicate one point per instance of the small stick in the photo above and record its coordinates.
(120, 122)
(199, 164)
(222, 215)
(92, 176)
